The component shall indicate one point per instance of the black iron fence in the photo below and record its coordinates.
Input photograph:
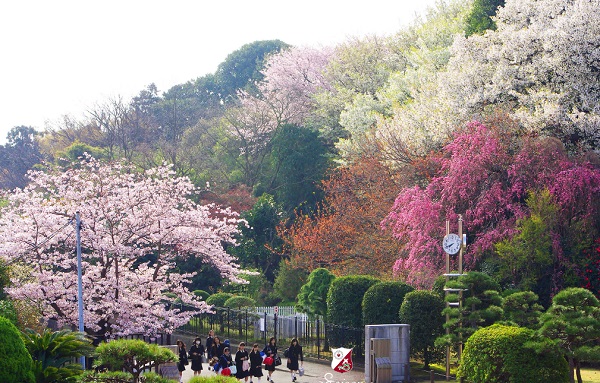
(316, 336)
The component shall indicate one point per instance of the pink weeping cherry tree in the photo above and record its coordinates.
(485, 174)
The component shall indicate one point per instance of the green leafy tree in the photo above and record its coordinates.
(259, 241)
(132, 355)
(15, 361)
(382, 301)
(18, 156)
(4, 278)
(312, 298)
(503, 354)
(573, 323)
(74, 152)
(55, 354)
(242, 68)
(297, 164)
(522, 308)
(480, 18)
(422, 310)
(527, 258)
(481, 307)
(289, 281)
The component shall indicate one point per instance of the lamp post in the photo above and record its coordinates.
(79, 279)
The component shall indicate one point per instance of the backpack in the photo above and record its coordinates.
(286, 353)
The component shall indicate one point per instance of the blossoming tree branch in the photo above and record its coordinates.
(134, 225)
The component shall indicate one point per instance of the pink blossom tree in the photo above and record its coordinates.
(134, 224)
(485, 175)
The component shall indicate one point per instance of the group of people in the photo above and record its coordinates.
(247, 364)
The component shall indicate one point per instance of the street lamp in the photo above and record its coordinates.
(79, 279)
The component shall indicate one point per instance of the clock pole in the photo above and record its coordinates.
(447, 305)
(460, 293)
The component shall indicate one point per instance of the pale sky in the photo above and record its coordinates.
(63, 56)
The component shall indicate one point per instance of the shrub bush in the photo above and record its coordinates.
(312, 298)
(202, 294)
(91, 376)
(238, 301)
(7, 310)
(503, 354)
(56, 353)
(382, 302)
(213, 379)
(422, 310)
(218, 299)
(131, 355)
(15, 361)
(344, 299)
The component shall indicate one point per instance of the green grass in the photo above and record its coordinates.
(590, 375)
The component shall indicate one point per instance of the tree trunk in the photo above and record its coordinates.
(571, 369)
(578, 371)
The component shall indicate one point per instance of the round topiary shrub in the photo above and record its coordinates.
(218, 299)
(238, 301)
(15, 361)
(382, 302)
(202, 294)
(507, 354)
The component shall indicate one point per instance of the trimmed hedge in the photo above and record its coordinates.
(382, 302)
(503, 354)
(422, 310)
(15, 362)
(344, 299)
(218, 299)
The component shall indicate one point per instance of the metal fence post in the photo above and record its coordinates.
(318, 340)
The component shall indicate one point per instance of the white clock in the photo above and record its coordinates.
(451, 244)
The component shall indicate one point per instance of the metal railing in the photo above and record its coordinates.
(316, 336)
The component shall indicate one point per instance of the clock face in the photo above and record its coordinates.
(451, 243)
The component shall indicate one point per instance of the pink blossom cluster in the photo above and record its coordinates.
(485, 176)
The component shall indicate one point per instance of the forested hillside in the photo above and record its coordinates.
(352, 157)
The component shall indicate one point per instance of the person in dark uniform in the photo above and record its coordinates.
(209, 343)
(241, 355)
(225, 360)
(270, 350)
(196, 353)
(255, 363)
(217, 348)
(294, 356)
(182, 353)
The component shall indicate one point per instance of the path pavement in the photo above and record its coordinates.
(314, 372)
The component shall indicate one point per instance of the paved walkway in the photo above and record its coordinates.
(314, 372)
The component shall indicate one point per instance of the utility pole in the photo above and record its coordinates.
(79, 279)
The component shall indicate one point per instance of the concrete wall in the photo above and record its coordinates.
(399, 336)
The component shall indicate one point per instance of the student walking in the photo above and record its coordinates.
(255, 363)
(196, 353)
(182, 353)
(241, 356)
(294, 356)
(270, 350)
